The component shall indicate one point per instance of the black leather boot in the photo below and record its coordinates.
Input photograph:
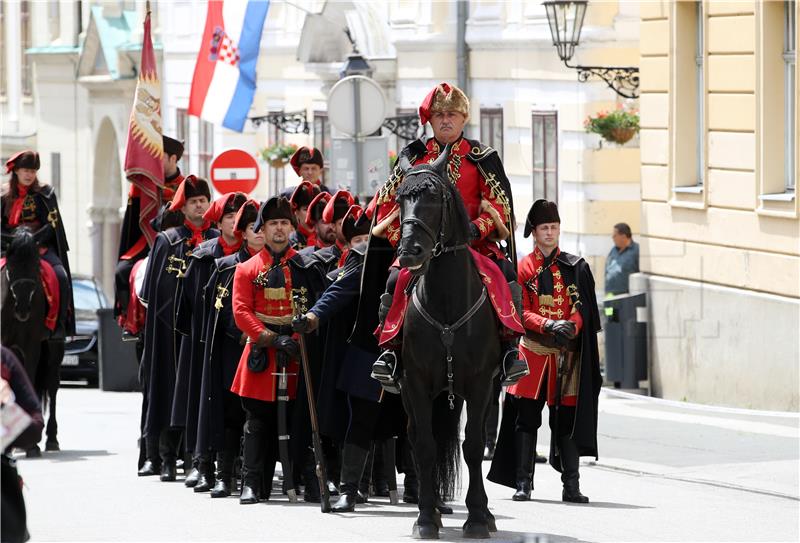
(206, 479)
(168, 470)
(150, 468)
(525, 446)
(386, 371)
(225, 484)
(194, 473)
(310, 482)
(353, 460)
(380, 486)
(152, 463)
(514, 366)
(569, 473)
(253, 461)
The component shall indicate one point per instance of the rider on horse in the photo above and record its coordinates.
(478, 174)
(28, 203)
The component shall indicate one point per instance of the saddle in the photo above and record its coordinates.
(496, 287)
(51, 291)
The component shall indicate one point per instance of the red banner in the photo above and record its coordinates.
(144, 166)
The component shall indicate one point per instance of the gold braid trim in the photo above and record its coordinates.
(496, 191)
(386, 193)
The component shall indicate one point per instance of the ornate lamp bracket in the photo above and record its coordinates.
(624, 80)
(404, 126)
(293, 122)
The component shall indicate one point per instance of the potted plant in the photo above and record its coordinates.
(618, 126)
(278, 154)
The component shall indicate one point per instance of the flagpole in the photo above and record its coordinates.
(147, 7)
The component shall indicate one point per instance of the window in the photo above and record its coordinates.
(25, 38)
(699, 129)
(545, 155)
(54, 19)
(492, 129)
(322, 140)
(182, 134)
(277, 176)
(688, 96)
(790, 92)
(205, 152)
(777, 106)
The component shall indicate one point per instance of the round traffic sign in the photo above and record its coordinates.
(234, 170)
(342, 106)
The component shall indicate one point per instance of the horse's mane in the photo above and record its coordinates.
(422, 179)
(23, 247)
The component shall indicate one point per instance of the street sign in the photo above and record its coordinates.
(234, 170)
(349, 119)
(374, 169)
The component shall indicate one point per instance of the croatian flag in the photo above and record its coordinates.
(224, 79)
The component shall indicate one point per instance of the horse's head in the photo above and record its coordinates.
(22, 272)
(432, 215)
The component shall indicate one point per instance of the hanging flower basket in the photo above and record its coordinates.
(278, 154)
(617, 126)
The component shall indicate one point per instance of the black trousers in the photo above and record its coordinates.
(264, 416)
(529, 416)
(364, 417)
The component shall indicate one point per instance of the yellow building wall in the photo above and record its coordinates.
(724, 235)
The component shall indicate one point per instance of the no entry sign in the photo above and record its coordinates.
(234, 171)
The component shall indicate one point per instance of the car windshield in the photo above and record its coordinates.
(86, 297)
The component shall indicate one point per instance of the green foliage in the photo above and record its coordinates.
(278, 152)
(618, 126)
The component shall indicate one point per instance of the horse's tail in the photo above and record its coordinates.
(446, 424)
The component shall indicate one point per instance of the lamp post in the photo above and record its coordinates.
(565, 18)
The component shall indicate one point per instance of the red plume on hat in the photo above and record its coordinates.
(23, 159)
(306, 155)
(191, 187)
(227, 203)
(316, 208)
(337, 206)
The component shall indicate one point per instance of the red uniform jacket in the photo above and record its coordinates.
(534, 316)
(473, 187)
(252, 305)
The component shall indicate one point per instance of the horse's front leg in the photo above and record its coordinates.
(55, 354)
(419, 409)
(478, 522)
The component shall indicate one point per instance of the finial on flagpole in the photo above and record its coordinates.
(147, 7)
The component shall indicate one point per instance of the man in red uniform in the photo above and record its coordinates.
(308, 162)
(262, 308)
(560, 345)
(478, 173)
(324, 232)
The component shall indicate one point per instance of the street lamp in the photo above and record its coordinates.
(565, 18)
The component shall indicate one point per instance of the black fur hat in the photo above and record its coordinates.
(541, 212)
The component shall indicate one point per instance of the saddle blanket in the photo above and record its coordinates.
(51, 292)
(496, 288)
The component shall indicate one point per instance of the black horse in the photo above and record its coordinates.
(450, 346)
(24, 306)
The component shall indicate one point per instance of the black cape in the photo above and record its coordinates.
(160, 293)
(221, 353)
(54, 238)
(191, 312)
(584, 430)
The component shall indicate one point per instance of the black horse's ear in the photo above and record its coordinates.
(440, 164)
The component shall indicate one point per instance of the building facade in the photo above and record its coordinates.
(720, 235)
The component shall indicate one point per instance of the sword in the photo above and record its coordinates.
(282, 362)
(322, 476)
(560, 369)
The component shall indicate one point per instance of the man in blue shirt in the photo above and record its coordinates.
(622, 261)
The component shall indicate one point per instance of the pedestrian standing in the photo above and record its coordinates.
(622, 260)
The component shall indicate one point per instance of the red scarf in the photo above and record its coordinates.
(197, 232)
(15, 215)
(343, 258)
(232, 248)
(252, 252)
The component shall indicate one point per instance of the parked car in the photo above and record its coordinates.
(81, 350)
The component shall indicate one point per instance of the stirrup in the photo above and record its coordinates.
(514, 368)
(384, 370)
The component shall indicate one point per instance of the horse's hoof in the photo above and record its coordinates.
(476, 530)
(33, 452)
(425, 531)
(52, 446)
(492, 523)
(437, 518)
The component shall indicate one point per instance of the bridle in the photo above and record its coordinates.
(446, 331)
(439, 247)
(16, 283)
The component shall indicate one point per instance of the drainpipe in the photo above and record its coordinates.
(462, 52)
